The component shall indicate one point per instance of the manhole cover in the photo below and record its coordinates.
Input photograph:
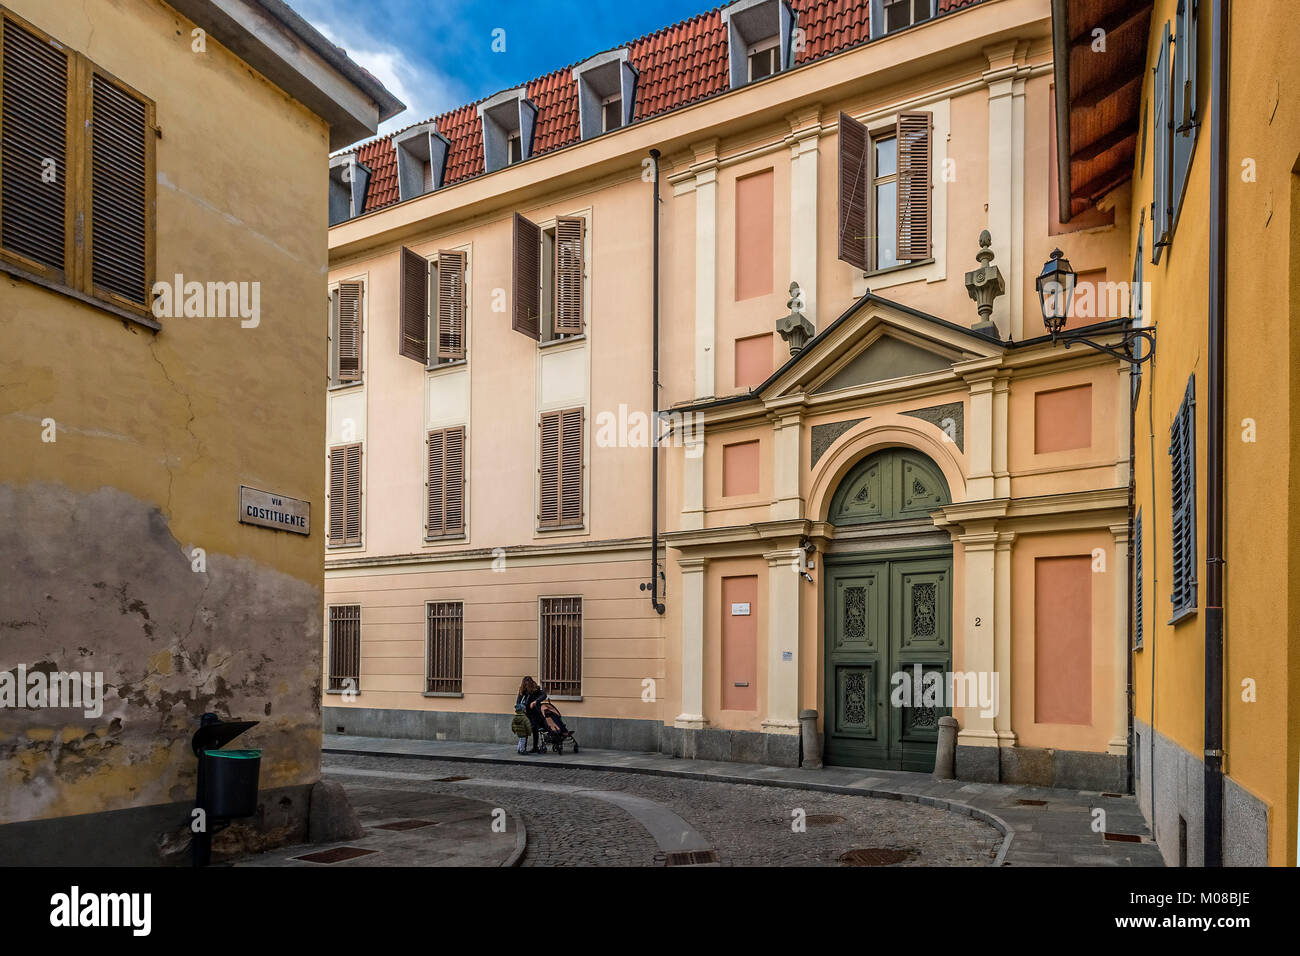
(1112, 794)
(1124, 837)
(336, 855)
(823, 819)
(691, 857)
(448, 779)
(405, 825)
(1032, 803)
(875, 856)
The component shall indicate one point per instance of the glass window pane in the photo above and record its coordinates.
(886, 157)
(920, 10)
(886, 225)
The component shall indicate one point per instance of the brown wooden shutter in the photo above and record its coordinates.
(352, 520)
(569, 269)
(33, 128)
(548, 509)
(571, 467)
(337, 494)
(413, 336)
(526, 294)
(854, 181)
(349, 331)
(451, 305)
(914, 185)
(119, 127)
(446, 485)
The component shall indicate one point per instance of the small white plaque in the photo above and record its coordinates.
(274, 511)
(740, 610)
(787, 655)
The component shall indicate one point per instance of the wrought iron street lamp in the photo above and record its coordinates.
(1055, 286)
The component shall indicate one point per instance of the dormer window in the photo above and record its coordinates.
(606, 87)
(421, 160)
(888, 16)
(348, 182)
(759, 36)
(508, 119)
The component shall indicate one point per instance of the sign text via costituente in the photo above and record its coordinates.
(274, 511)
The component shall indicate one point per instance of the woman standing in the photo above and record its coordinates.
(530, 699)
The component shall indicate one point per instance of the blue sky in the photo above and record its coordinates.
(437, 54)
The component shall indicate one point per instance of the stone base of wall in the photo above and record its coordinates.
(1177, 777)
(1041, 767)
(155, 835)
(600, 733)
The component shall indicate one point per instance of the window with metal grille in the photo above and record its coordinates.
(1139, 608)
(561, 646)
(444, 636)
(345, 647)
(345, 495)
(76, 173)
(560, 471)
(445, 486)
(1182, 467)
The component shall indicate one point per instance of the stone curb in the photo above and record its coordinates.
(521, 841)
(1008, 832)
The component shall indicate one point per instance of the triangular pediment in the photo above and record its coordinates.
(879, 341)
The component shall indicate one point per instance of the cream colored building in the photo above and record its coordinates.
(916, 490)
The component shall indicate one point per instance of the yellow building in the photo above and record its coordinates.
(870, 490)
(1193, 103)
(136, 594)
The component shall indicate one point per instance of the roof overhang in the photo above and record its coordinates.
(1098, 96)
(270, 37)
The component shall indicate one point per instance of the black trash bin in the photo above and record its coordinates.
(230, 779)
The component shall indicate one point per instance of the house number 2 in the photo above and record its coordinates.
(977, 622)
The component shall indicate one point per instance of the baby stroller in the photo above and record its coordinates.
(553, 731)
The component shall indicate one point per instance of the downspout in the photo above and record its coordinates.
(1214, 628)
(654, 390)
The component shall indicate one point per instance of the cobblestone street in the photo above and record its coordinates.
(584, 817)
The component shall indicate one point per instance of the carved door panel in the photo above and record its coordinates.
(857, 651)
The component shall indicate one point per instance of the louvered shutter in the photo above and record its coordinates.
(569, 268)
(548, 509)
(854, 181)
(451, 305)
(1162, 167)
(352, 520)
(349, 331)
(446, 485)
(571, 467)
(119, 125)
(413, 335)
(1182, 455)
(525, 292)
(1187, 59)
(33, 130)
(914, 185)
(338, 494)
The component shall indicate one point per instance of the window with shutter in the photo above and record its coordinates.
(444, 638)
(854, 177)
(347, 332)
(570, 235)
(560, 472)
(1138, 605)
(345, 647)
(345, 496)
(560, 647)
(34, 154)
(913, 136)
(450, 305)
(526, 275)
(445, 513)
(413, 336)
(1182, 118)
(1160, 142)
(1182, 468)
(76, 146)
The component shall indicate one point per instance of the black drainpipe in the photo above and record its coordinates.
(1214, 629)
(654, 390)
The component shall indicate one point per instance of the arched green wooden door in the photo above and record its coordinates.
(888, 621)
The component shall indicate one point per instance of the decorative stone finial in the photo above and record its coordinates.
(795, 328)
(985, 284)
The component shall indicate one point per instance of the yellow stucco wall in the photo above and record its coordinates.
(156, 431)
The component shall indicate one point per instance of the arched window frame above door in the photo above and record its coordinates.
(889, 485)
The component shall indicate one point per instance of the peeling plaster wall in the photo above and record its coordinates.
(155, 434)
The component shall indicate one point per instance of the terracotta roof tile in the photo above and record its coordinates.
(678, 65)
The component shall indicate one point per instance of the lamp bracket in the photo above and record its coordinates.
(1123, 351)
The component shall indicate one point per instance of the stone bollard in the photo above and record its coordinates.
(812, 741)
(945, 751)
